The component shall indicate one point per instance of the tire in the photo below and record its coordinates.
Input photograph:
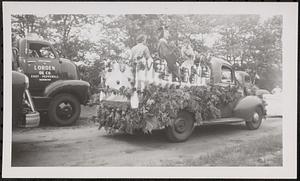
(182, 127)
(256, 119)
(64, 110)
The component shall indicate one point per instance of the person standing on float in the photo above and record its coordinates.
(187, 54)
(144, 63)
(196, 72)
(165, 51)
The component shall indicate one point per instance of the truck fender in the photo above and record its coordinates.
(78, 88)
(246, 107)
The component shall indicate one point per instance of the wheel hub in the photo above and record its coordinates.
(64, 110)
(180, 125)
(255, 117)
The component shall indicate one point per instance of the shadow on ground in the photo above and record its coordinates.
(159, 136)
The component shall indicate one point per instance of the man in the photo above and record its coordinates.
(165, 51)
(196, 72)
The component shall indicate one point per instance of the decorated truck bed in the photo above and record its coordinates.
(209, 97)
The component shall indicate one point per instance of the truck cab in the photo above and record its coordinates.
(54, 82)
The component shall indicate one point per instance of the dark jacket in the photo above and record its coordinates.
(165, 51)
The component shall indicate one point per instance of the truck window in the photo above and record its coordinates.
(239, 77)
(226, 75)
(37, 50)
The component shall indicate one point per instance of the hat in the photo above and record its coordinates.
(141, 38)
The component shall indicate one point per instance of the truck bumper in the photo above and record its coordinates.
(31, 120)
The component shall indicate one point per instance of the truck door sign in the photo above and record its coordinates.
(44, 72)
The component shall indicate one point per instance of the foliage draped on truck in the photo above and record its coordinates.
(161, 99)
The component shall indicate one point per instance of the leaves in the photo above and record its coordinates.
(162, 106)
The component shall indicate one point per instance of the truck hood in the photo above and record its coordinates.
(65, 60)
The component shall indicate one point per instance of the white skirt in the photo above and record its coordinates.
(146, 76)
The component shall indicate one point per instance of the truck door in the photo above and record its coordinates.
(43, 66)
(227, 79)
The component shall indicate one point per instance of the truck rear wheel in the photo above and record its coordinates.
(64, 110)
(182, 127)
(255, 120)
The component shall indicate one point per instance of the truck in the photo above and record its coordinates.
(177, 107)
(54, 82)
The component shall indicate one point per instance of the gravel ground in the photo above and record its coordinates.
(84, 145)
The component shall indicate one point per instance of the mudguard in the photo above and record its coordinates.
(78, 88)
(246, 107)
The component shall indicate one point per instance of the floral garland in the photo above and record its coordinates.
(159, 107)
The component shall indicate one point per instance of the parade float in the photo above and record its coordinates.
(143, 96)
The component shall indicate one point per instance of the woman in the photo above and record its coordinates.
(165, 51)
(144, 63)
(187, 54)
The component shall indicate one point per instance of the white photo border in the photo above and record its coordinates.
(289, 11)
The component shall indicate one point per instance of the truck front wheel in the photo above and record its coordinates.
(182, 127)
(64, 110)
(255, 121)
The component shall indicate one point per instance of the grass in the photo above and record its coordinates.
(266, 151)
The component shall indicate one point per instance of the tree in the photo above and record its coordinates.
(245, 41)
(24, 24)
(253, 46)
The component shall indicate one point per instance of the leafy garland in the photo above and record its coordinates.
(158, 107)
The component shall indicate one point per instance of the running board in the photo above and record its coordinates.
(223, 120)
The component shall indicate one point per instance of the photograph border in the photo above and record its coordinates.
(289, 11)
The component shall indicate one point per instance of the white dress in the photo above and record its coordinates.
(188, 56)
(146, 73)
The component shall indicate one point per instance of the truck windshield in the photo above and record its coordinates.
(37, 50)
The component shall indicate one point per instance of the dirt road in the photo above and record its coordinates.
(85, 145)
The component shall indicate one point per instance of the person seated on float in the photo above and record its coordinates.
(168, 53)
(140, 55)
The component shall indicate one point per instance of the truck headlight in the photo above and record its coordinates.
(26, 82)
